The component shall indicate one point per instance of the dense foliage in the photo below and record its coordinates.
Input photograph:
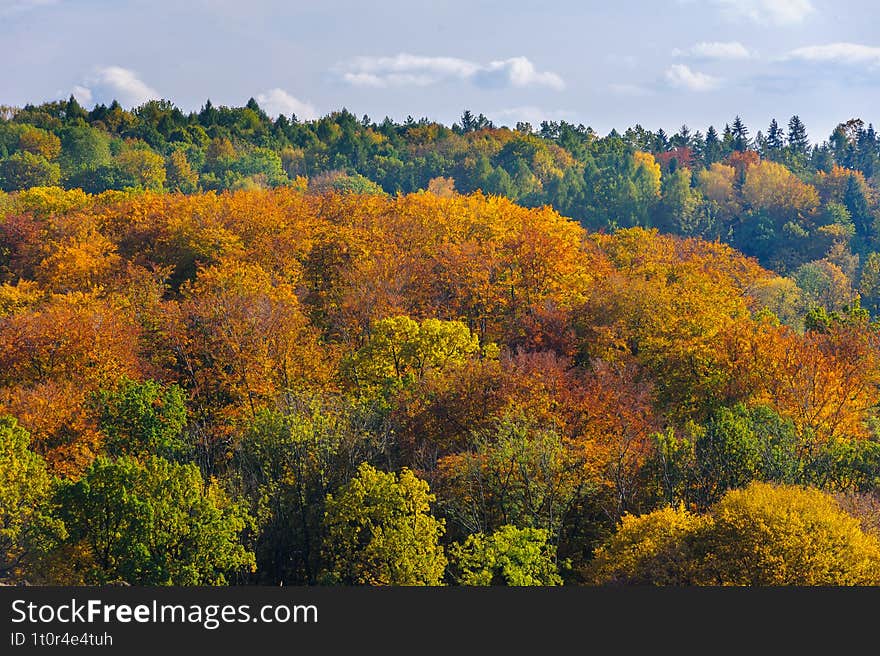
(809, 211)
(288, 375)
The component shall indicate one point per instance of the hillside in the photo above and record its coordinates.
(211, 387)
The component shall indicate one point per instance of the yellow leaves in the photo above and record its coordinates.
(771, 186)
(648, 168)
(78, 263)
(400, 349)
(760, 535)
(19, 297)
(784, 535)
(716, 182)
(145, 167)
(39, 142)
(49, 200)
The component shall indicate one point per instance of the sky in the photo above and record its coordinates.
(606, 65)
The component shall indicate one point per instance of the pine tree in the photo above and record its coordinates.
(726, 141)
(682, 139)
(797, 136)
(775, 138)
(711, 147)
(740, 135)
(661, 141)
(855, 201)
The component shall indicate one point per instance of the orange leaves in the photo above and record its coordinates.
(53, 357)
(826, 383)
(242, 340)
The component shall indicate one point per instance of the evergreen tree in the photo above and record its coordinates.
(797, 136)
(740, 135)
(855, 201)
(775, 138)
(712, 147)
(727, 141)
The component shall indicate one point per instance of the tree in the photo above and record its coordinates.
(798, 142)
(179, 174)
(775, 140)
(855, 201)
(285, 464)
(656, 548)
(143, 419)
(401, 349)
(712, 147)
(380, 531)
(142, 168)
(83, 148)
(786, 535)
(23, 170)
(27, 528)
(509, 556)
(152, 523)
(740, 133)
(514, 472)
(739, 445)
(763, 534)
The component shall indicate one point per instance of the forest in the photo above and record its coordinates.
(237, 350)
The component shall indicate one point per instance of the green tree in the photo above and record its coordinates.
(798, 143)
(152, 523)
(739, 445)
(83, 148)
(143, 419)
(379, 531)
(23, 170)
(285, 465)
(509, 556)
(26, 525)
(179, 175)
(741, 141)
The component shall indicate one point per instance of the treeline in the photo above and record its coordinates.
(271, 386)
(806, 210)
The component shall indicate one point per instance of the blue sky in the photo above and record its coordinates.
(604, 64)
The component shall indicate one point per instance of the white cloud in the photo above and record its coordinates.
(839, 53)
(83, 95)
(715, 50)
(415, 70)
(517, 72)
(772, 12)
(114, 83)
(763, 12)
(276, 102)
(682, 77)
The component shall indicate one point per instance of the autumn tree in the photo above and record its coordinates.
(761, 535)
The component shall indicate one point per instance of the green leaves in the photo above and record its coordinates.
(155, 523)
(380, 531)
(27, 528)
(143, 419)
(509, 556)
(400, 349)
